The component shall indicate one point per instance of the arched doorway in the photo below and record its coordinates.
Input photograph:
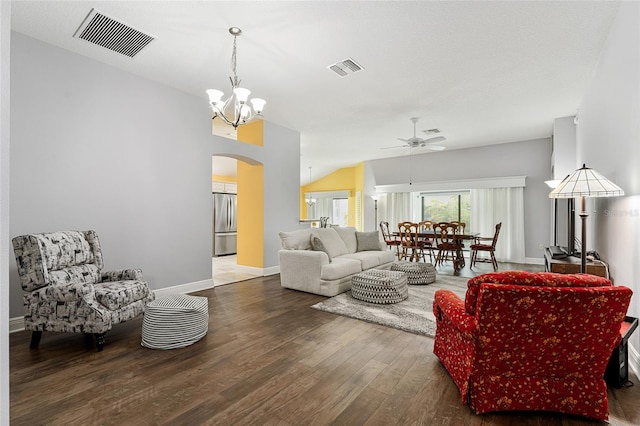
(237, 192)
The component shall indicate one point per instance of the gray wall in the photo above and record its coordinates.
(5, 59)
(93, 147)
(280, 155)
(608, 135)
(528, 158)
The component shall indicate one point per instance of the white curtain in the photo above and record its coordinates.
(322, 208)
(492, 206)
(397, 209)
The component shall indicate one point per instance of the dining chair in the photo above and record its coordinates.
(426, 226)
(446, 243)
(489, 248)
(389, 239)
(461, 226)
(411, 247)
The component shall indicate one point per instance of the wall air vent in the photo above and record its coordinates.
(111, 34)
(345, 67)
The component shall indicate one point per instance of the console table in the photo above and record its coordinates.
(617, 373)
(571, 265)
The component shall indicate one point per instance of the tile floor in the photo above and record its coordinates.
(224, 270)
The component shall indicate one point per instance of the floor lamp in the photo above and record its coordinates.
(375, 201)
(582, 183)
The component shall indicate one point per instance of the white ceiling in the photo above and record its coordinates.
(482, 72)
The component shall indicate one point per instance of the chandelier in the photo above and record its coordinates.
(310, 200)
(235, 110)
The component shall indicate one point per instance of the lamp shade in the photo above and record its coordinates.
(586, 182)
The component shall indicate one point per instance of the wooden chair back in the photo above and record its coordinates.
(384, 228)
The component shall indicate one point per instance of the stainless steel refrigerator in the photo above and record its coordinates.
(224, 224)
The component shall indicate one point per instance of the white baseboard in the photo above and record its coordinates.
(271, 271)
(16, 324)
(184, 288)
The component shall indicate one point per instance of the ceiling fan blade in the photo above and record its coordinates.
(393, 147)
(435, 140)
(434, 147)
(404, 140)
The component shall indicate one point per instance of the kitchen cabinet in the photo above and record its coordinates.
(224, 187)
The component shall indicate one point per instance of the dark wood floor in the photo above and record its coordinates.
(267, 359)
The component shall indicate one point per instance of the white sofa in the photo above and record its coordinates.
(327, 273)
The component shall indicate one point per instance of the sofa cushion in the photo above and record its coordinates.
(348, 235)
(385, 256)
(333, 243)
(317, 245)
(368, 241)
(340, 267)
(368, 259)
(297, 240)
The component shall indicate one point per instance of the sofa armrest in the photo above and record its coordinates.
(120, 275)
(448, 306)
(300, 269)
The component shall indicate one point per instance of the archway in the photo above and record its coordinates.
(241, 178)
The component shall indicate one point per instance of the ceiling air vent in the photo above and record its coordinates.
(432, 131)
(345, 67)
(111, 34)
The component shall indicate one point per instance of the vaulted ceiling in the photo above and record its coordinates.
(481, 72)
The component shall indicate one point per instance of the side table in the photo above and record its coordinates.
(617, 372)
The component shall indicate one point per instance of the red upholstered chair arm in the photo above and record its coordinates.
(447, 305)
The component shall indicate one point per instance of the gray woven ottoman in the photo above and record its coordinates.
(380, 286)
(175, 321)
(417, 273)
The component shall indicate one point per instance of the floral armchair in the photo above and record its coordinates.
(66, 290)
(531, 341)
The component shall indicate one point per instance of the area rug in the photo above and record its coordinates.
(415, 314)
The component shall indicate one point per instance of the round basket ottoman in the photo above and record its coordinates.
(417, 273)
(175, 321)
(380, 286)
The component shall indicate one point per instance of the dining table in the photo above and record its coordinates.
(458, 239)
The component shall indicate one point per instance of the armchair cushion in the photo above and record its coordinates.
(548, 279)
(124, 274)
(118, 294)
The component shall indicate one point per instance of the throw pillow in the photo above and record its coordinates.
(348, 235)
(368, 241)
(316, 245)
(298, 239)
(332, 241)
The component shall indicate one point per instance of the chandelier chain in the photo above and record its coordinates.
(234, 81)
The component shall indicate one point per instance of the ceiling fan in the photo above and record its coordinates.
(416, 142)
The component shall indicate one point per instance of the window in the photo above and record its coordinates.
(446, 206)
(340, 211)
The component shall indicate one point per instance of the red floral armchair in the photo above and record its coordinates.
(531, 341)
